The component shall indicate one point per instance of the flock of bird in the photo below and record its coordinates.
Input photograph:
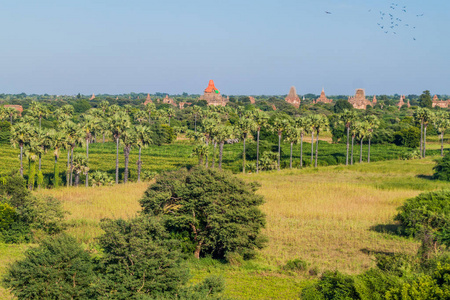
(393, 20)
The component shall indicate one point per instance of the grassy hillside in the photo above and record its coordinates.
(333, 217)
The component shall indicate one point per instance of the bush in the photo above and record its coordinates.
(219, 212)
(442, 168)
(296, 265)
(332, 285)
(409, 137)
(139, 259)
(58, 269)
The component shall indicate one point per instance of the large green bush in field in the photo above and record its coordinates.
(216, 210)
(58, 269)
(442, 168)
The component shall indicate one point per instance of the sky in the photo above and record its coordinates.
(247, 47)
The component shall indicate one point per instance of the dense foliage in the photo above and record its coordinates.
(216, 211)
(442, 168)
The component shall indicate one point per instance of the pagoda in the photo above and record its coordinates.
(440, 103)
(292, 97)
(92, 97)
(323, 98)
(212, 95)
(148, 100)
(359, 101)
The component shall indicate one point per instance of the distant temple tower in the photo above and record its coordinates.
(148, 100)
(292, 97)
(92, 97)
(440, 103)
(212, 95)
(323, 98)
(359, 101)
(401, 102)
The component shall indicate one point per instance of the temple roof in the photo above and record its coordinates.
(211, 88)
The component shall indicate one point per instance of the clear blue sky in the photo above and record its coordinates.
(247, 47)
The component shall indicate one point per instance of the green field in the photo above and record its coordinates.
(333, 217)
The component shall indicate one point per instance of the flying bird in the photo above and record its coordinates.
(327, 12)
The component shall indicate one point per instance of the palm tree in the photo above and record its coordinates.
(374, 123)
(353, 131)
(128, 138)
(209, 128)
(149, 108)
(312, 119)
(31, 152)
(140, 116)
(279, 125)
(89, 125)
(419, 116)
(348, 117)
(58, 141)
(21, 135)
(196, 111)
(362, 131)
(441, 123)
(170, 114)
(143, 139)
(261, 120)
(64, 113)
(320, 123)
(245, 126)
(80, 165)
(12, 113)
(39, 111)
(44, 142)
(200, 151)
(223, 133)
(428, 117)
(75, 136)
(104, 105)
(292, 136)
(301, 124)
(118, 123)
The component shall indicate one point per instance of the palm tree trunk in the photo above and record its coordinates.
(312, 147)
(149, 113)
(301, 150)
(351, 158)
(126, 152)
(117, 160)
(31, 174)
(368, 152)
(139, 164)
(56, 173)
(11, 118)
(424, 140)
(195, 123)
(442, 144)
(87, 159)
(77, 179)
(206, 158)
(103, 138)
(220, 154)
(68, 165)
(290, 159)
(214, 155)
(257, 152)
(360, 151)
(421, 139)
(21, 160)
(243, 158)
(40, 118)
(348, 136)
(40, 160)
(200, 159)
(317, 148)
(279, 150)
(71, 166)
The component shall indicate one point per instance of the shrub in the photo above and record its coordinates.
(296, 265)
(8, 216)
(332, 285)
(58, 269)
(442, 168)
(409, 137)
(219, 212)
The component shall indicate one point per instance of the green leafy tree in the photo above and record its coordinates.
(341, 105)
(58, 141)
(196, 111)
(118, 123)
(21, 135)
(374, 123)
(58, 269)
(80, 166)
(139, 260)
(279, 125)
(149, 108)
(428, 117)
(245, 126)
(441, 123)
(129, 139)
(143, 139)
(292, 136)
(201, 150)
(219, 212)
(425, 100)
(362, 131)
(39, 111)
(320, 123)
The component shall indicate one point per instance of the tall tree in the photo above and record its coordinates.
(223, 133)
(261, 119)
(441, 123)
(75, 136)
(292, 136)
(362, 131)
(12, 113)
(428, 117)
(118, 123)
(58, 141)
(279, 125)
(89, 124)
(32, 153)
(425, 100)
(80, 165)
(64, 113)
(320, 123)
(149, 108)
(312, 120)
(245, 126)
(196, 111)
(301, 124)
(374, 123)
(128, 138)
(21, 135)
(170, 114)
(201, 150)
(347, 118)
(419, 116)
(39, 111)
(143, 139)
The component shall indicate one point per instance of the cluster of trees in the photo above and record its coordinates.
(186, 213)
